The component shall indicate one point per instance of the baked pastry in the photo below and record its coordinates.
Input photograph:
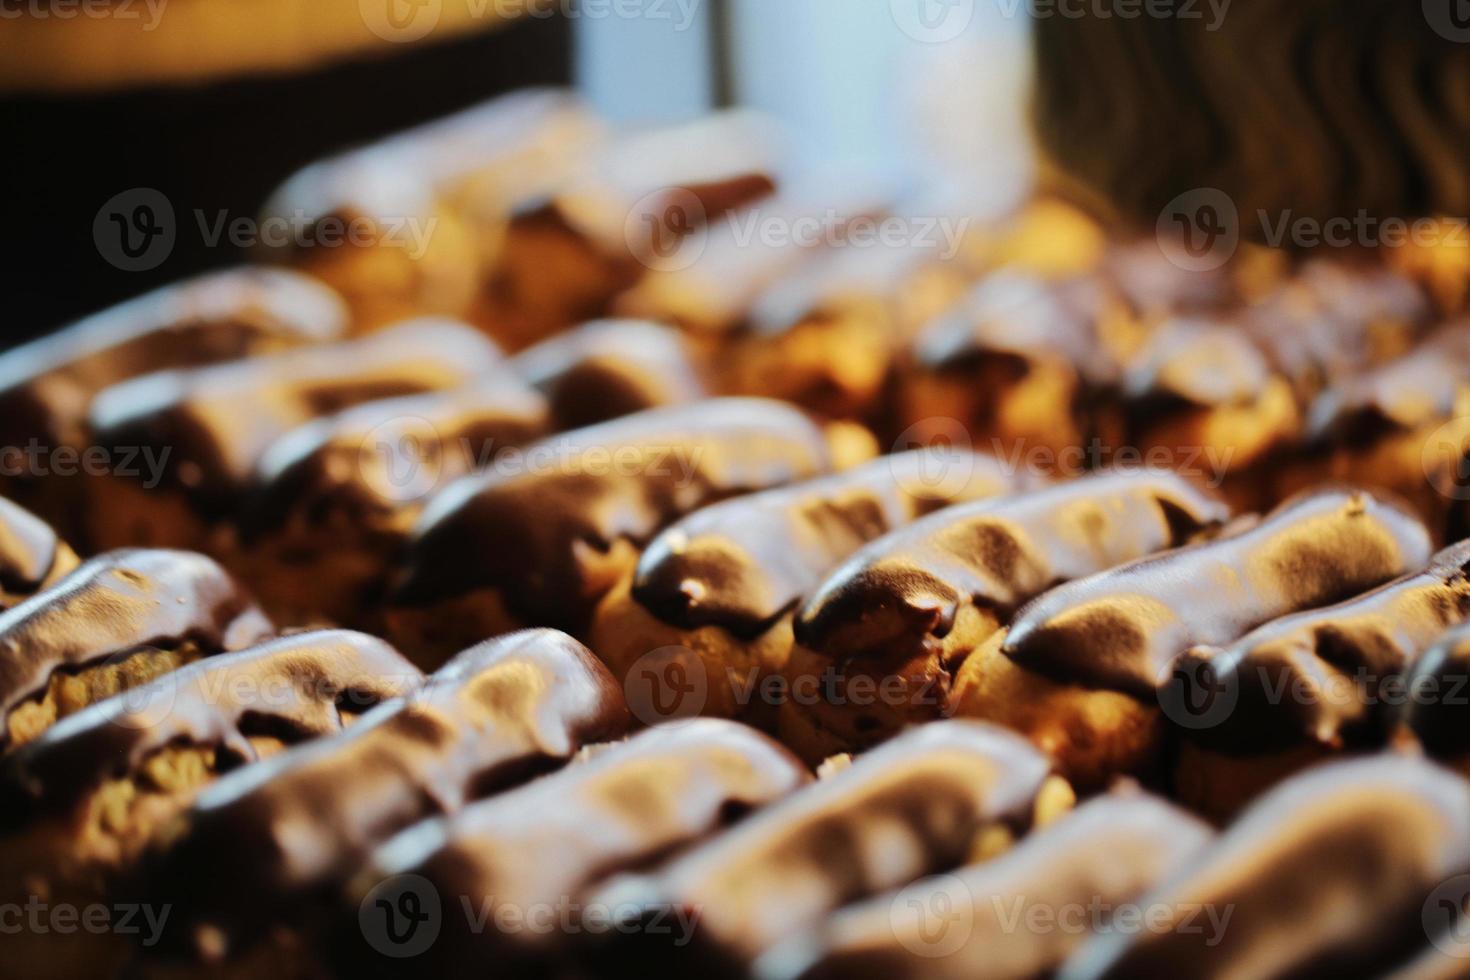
(1200, 397)
(245, 897)
(913, 807)
(964, 925)
(81, 802)
(1328, 875)
(826, 336)
(217, 423)
(412, 225)
(1331, 321)
(707, 283)
(576, 509)
(609, 368)
(118, 621)
(879, 643)
(1435, 693)
(1402, 426)
(625, 207)
(1307, 686)
(1014, 365)
(47, 386)
(32, 556)
(1080, 669)
(333, 501)
(714, 594)
(535, 852)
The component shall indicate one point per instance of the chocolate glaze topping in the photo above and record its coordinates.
(294, 687)
(1437, 693)
(45, 385)
(609, 368)
(1108, 852)
(908, 808)
(1016, 316)
(493, 717)
(520, 529)
(901, 590)
(1123, 629)
(1331, 321)
(1200, 362)
(1320, 675)
(1424, 386)
(549, 841)
(389, 455)
(1327, 875)
(744, 563)
(218, 421)
(118, 604)
(29, 550)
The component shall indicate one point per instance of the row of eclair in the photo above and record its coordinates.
(312, 804)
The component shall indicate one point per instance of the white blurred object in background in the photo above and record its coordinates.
(915, 92)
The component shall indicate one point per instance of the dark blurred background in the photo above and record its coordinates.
(221, 146)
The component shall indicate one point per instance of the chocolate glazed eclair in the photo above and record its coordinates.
(78, 804)
(625, 208)
(918, 805)
(1308, 686)
(32, 556)
(536, 851)
(1330, 874)
(878, 643)
(1200, 392)
(1016, 362)
(425, 209)
(963, 926)
(1403, 426)
(1436, 701)
(46, 386)
(1082, 667)
(245, 893)
(543, 538)
(716, 591)
(610, 368)
(217, 422)
(120, 620)
(336, 499)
